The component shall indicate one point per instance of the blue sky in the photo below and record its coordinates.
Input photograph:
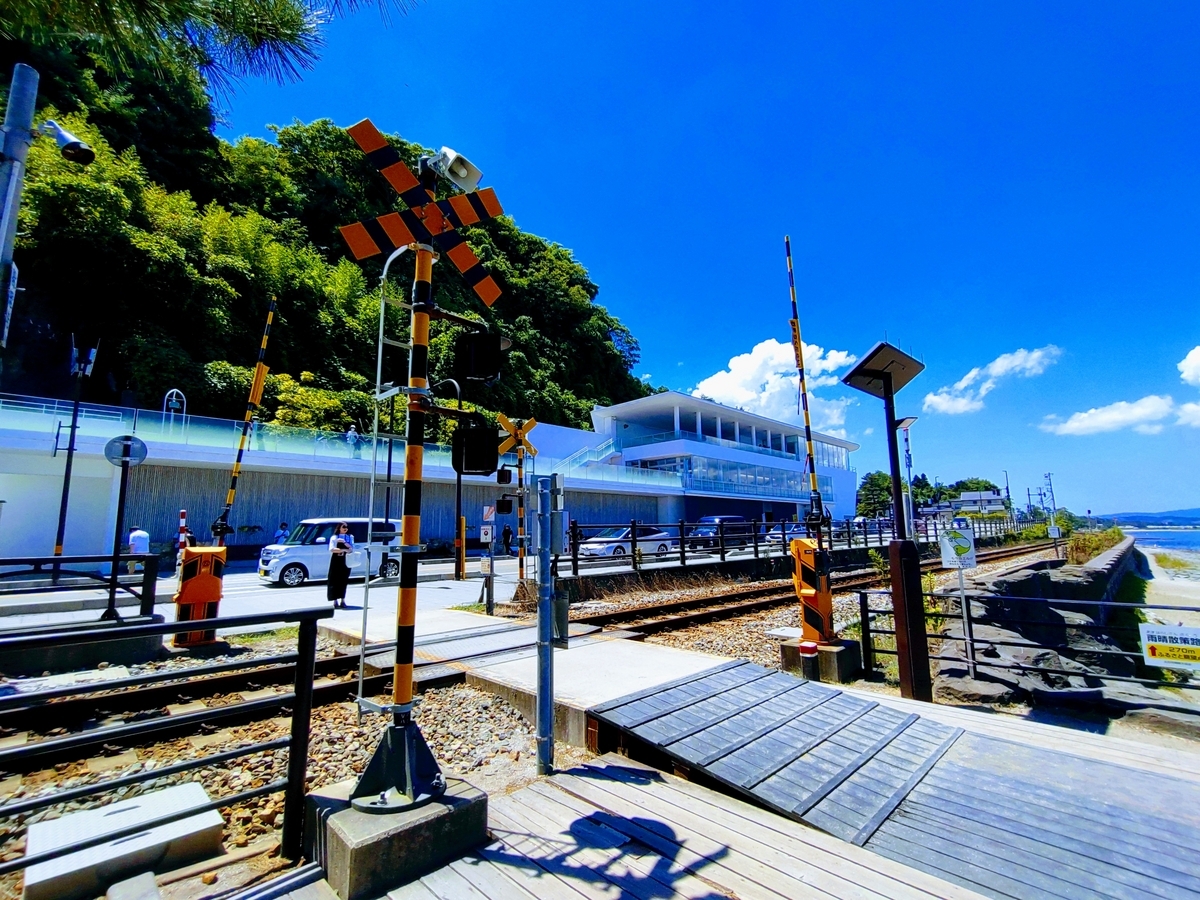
(970, 181)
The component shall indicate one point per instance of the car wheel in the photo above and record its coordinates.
(390, 569)
(293, 575)
(618, 551)
(662, 548)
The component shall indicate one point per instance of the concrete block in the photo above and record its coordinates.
(319, 805)
(87, 873)
(371, 853)
(792, 661)
(140, 887)
(840, 662)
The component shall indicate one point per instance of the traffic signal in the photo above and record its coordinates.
(478, 355)
(473, 448)
(504, 506)
(504, 476)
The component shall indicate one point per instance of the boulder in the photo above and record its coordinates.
(955, 685)
(1166, 721)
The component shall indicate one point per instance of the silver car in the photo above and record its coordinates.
(614, 541)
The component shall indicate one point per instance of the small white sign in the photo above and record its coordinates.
(489, 514)
(1054, 531)
(486, 534)
(485, 565)
(958, 548)
(1170, 646)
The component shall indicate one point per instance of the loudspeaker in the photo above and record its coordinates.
(473, 448)
(457, 168)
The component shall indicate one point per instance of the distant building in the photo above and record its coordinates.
(973, 502)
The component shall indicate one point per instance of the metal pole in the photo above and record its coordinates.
(66, 489)
(968, 633)
(520, 512)
(912, 509)
(889, 408)
(110, 614)
(293, 798)
(545, 636)
(18, 135)
(864, 631)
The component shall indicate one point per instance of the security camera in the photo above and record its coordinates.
(456, 168)
(71, 147)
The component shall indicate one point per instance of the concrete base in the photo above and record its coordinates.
(141, 887)
(794, 663)
(589, 674)
(840, 662)
(71, 657)
(368, 854)
(86, 873)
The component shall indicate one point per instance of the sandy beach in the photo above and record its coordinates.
(1172, 589)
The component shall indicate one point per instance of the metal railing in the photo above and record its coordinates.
(26, 566)
(39, 754)
(947, 601)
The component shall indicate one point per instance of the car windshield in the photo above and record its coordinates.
(609, 534)
(299, 533)
(308, 532)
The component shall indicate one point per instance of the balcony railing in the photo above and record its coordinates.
(664, 436)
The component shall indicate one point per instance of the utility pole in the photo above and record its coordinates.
(18, 135)
(1053, 508)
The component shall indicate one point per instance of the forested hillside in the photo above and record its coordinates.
(169, 247)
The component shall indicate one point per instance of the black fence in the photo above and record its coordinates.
(52, 567)
(949, 606)
(40, 754)
(685, 542)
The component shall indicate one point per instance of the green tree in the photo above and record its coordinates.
(922, 490)
(875, 495)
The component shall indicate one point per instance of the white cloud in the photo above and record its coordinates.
(1189, 414)
(765, 381)
(646, 377)
(966, 395)
(1189, 367)
(1141, 415)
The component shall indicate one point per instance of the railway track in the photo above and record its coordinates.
(248, 697)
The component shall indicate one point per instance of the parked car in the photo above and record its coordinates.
(304, 553)
(707, 533)
(614, 541)
(786, 531)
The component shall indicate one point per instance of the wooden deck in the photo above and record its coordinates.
(616, 829)
(1046, 815)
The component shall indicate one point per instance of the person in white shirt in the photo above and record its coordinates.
(341, 545)
(139, 542)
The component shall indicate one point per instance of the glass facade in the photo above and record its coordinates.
(700, 473)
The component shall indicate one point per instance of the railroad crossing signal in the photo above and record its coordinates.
(426, 221)
(517, 435)
(813, 589)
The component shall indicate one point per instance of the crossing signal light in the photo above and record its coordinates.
(473, 449)
(504, 476)
(504, 506)
(478, 355)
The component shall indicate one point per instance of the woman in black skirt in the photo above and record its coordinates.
(341, 544)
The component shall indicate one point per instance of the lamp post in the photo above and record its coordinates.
(904, 425)
(80, 369)
(882, 372)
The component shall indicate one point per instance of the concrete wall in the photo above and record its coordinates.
(31, 486)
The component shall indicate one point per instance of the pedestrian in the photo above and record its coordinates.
(341, 545)
(281, 533)
(353, 440)
(139, 542)
(506, 537)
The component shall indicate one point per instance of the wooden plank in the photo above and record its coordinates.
(754, 833)
(768, 871)
(488, 877)
(414, 890)
(873, 823)
(949, 868)
(807, 803)
(1088, 869)
(707, 690)
(516, 867)
(606, 857)
(666, 736)
(446, 884)
(1104, 845)
(599, 709)
(767, 728)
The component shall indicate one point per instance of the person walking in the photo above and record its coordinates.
(353, 439)
(139, 542)
(506, 537)
(281, 533)
(341, 545)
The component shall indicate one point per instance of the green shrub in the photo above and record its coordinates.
(1085, 545)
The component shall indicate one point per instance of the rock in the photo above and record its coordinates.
(964, 689)
(1166, 721)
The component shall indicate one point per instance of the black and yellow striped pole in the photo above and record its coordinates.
(520, 512)
(220, 527)
(810, 561)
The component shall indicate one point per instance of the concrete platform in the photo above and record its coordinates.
(381, 624)
(595, 672)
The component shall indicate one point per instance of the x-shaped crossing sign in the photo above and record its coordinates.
(517, 434)
(426, 221)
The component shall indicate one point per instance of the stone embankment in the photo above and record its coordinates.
(1016, 623)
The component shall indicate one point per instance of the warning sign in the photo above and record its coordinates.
(1171, 646)
(958, 548)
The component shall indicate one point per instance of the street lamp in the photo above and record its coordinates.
(904, 424)
(882, 372)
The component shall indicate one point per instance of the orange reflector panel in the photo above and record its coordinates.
(367, 136)
(462, 257)
(488, 291)
(400, 177)
(462, 206)
(396, 230)
(358, 240)
(490, 202)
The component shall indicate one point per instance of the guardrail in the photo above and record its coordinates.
(868, 633)
(40, 753)
(24, 566)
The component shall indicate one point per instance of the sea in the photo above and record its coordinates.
(1183, 543)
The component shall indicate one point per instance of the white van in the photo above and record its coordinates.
(304, 554)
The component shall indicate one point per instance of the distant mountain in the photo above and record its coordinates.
(1170, 517)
